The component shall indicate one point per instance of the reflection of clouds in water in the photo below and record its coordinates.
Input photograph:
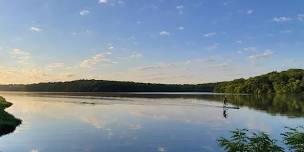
(127, 122)
(135, 126)
(96, 123)
(162, 149)
(254, 123)
(102, 116)
(193, 115)
(35, 150)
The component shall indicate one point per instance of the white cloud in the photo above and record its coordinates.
(84, 12)
(249, 49)
(35, 29)
(210, 34)
(249, 12)
(212, 46)
(136, 55)
(239, 41)
(164, 33)
(264, 55)
(155, 67)
(286, 31)
(88, 63)
(55, 65)
(21, 56)
(300, 17)
(281, 19)
(110, 47)
(103, 1)
(180, 28)
(180, 9)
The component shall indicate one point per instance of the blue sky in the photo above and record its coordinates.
(162, 41)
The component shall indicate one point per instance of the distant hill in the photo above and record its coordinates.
(285, 82)
(107, 86)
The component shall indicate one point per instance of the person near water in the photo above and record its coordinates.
(225, 101)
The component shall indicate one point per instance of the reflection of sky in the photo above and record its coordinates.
(59, 124)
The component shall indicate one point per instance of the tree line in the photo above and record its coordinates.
(285, 82)
(107, 86)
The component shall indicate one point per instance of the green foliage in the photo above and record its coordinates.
(8, 122)
(294, 138)
(285, 82)
(242, 141)
(4, 104)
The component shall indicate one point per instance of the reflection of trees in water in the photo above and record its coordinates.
(8, 123)
(292, 105)
(274, 104)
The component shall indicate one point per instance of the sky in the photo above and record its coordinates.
(158, 41)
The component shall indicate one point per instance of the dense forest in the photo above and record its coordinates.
(108, 86)
(285, 82)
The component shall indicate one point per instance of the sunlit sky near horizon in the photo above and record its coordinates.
(160, 41)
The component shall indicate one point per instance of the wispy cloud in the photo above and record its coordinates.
(35, 29)
(155, 67)
(180, 28)
(136, 55)
(21, 56)
(286, 31)
(212, 46)
(164, 33)
(55, 65)
(88, 63)
(281, 19)
(103, 1)
(248, 49)
(180, 9)
(210, 34)
(84, 12)
(239, 41)
(249, 12)
(300, 17)
(264, 55)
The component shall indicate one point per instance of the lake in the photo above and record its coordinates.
(141, 122)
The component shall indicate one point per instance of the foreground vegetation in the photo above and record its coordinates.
(8, 122)
(285, 82)
(243, 141)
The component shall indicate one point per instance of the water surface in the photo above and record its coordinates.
(150, 122)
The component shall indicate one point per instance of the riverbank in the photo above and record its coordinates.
(8, 122)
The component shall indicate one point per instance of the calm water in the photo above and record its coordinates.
(140, 122)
